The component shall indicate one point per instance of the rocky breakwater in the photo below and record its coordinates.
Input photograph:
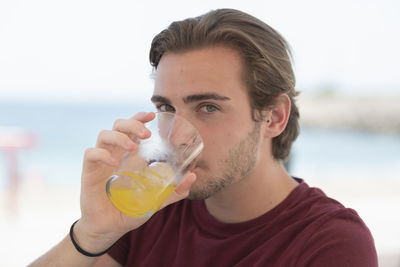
(366, 113)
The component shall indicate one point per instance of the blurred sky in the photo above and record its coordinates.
(97, 50)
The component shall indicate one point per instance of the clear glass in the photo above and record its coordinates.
(148, 175)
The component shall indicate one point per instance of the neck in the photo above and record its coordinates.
(253, 195)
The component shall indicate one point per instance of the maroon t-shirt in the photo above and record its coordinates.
(306, 229)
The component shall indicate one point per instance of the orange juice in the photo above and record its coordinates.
(143, 192)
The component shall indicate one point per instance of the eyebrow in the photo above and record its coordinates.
(201, 97)
(191, 98)
(160, 99)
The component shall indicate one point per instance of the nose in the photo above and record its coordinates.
(180, 134)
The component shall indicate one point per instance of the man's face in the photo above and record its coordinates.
(206, 88)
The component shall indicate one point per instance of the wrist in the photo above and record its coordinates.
(91, 243)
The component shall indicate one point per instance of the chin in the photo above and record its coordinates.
(202, 191)
(198, 193)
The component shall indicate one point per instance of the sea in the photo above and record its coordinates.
(64, 130)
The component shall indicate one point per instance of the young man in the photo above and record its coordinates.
(230, 75)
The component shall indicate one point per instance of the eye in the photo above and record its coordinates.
(165, 108)
(208, 108)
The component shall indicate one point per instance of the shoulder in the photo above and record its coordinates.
(331, 234)
(340, 238)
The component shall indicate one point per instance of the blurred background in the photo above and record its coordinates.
(68, 69)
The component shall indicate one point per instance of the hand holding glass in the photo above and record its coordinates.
(147, 176)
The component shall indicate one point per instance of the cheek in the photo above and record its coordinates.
(220, 138)
(216, 148)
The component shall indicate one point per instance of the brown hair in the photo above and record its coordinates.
(266, 55)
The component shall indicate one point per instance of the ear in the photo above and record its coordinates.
(277, 116)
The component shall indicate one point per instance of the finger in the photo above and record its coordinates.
(184, 187)
(144, 116)
(95, 155)
(132, 128)
(182, 191)
(114, 138)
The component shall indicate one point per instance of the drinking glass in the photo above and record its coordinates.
(147, 176)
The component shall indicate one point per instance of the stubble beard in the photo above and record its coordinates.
(239, 163)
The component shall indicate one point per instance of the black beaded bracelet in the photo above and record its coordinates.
(78, 248)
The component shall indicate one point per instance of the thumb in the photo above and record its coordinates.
(182, 191)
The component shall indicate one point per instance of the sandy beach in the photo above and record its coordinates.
(45, 212)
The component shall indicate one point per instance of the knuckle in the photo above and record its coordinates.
(88, 152)
(134, 123)
(102, 133)
(118, 122)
